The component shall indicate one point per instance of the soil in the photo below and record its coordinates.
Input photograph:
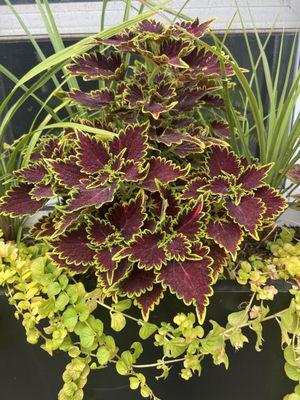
(251, 246)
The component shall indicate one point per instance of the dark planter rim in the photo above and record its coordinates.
(231, 286)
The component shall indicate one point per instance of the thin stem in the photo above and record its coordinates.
(273, 316)
(139, 321)
(158, 363)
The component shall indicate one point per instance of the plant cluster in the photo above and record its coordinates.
(283, 262)
(59, 313)
(156, 202)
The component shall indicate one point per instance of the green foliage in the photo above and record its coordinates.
(147, 330)
(283, 262)
(75, 378)
(266, 113)
(286, 252)
(118, 321)
(58, 314)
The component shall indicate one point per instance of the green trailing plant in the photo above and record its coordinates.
(283, 263)
(59, 313)
(154, 179)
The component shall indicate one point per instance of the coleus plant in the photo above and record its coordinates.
(294, 175)
(164, 204)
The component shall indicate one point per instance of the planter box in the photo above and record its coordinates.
(28, 373)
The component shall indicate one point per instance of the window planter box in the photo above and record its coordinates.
(29, 373)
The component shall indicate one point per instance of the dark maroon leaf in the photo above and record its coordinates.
(182, 122)
(273, 202)
(104, 258)
(17, 202)
(79, 267)
(178, 248)
(73, 247)
(156, 107)
(148, 300)
(32, 174)
(115, 163)
(226, 233)
(173, 203)
(124, 267)
(134, 95)
(151, 26)
(211, 141)
(202, 62)
(219, 185)
(248, 213)
(92, 154)
(190, 280)
(171, 51)
(219, 257)
(123, 41)
(210, 100)
(165, 89)
(171, 136)
(150, 225)
(188, 148)
(164, 171)
(252, 177)
(133, 139)
(44, 227)
(162, 202)
(222, 160)
(97, 66)
(199, 250)
(244, 163)
(94, 100)
(196, 28)
(189, 99)
(67, 172)
(42, 191)
(137, 282)
(189, 223)
(147, 250)
(128, 217)
(220, 128)
(107, 279)
(51, 148)
(92, 197)
(156, 204)
(99, 231)
(132, 171)
(193, 188)
(66, 220)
